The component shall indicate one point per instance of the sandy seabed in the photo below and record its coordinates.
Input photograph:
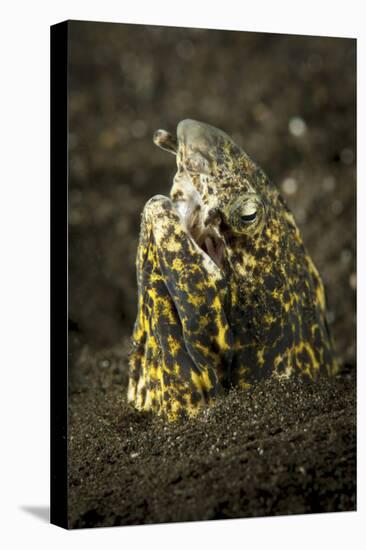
(280, 448)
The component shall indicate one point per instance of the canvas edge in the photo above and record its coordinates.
(59, 273)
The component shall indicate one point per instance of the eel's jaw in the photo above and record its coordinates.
(189, 192)
(213, 245)
(190, 198)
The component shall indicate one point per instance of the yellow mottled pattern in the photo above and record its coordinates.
(227, 292)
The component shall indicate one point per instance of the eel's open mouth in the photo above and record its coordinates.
(194, 145)
(215, 249)
(203, 228)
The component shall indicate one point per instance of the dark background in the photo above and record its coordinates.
(289, 101)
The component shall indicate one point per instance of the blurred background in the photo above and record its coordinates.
(289, 101)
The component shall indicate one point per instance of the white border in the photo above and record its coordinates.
(24, 218)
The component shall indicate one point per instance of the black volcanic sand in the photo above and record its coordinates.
(281, 448)
(289, 101)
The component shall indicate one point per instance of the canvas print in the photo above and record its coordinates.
(211, 187)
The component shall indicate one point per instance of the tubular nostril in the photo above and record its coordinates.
(166, 141)
(159, 136)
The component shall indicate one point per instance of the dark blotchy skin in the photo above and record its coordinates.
(227, 293)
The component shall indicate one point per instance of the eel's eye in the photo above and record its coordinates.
(248, 218)
(243, 212)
